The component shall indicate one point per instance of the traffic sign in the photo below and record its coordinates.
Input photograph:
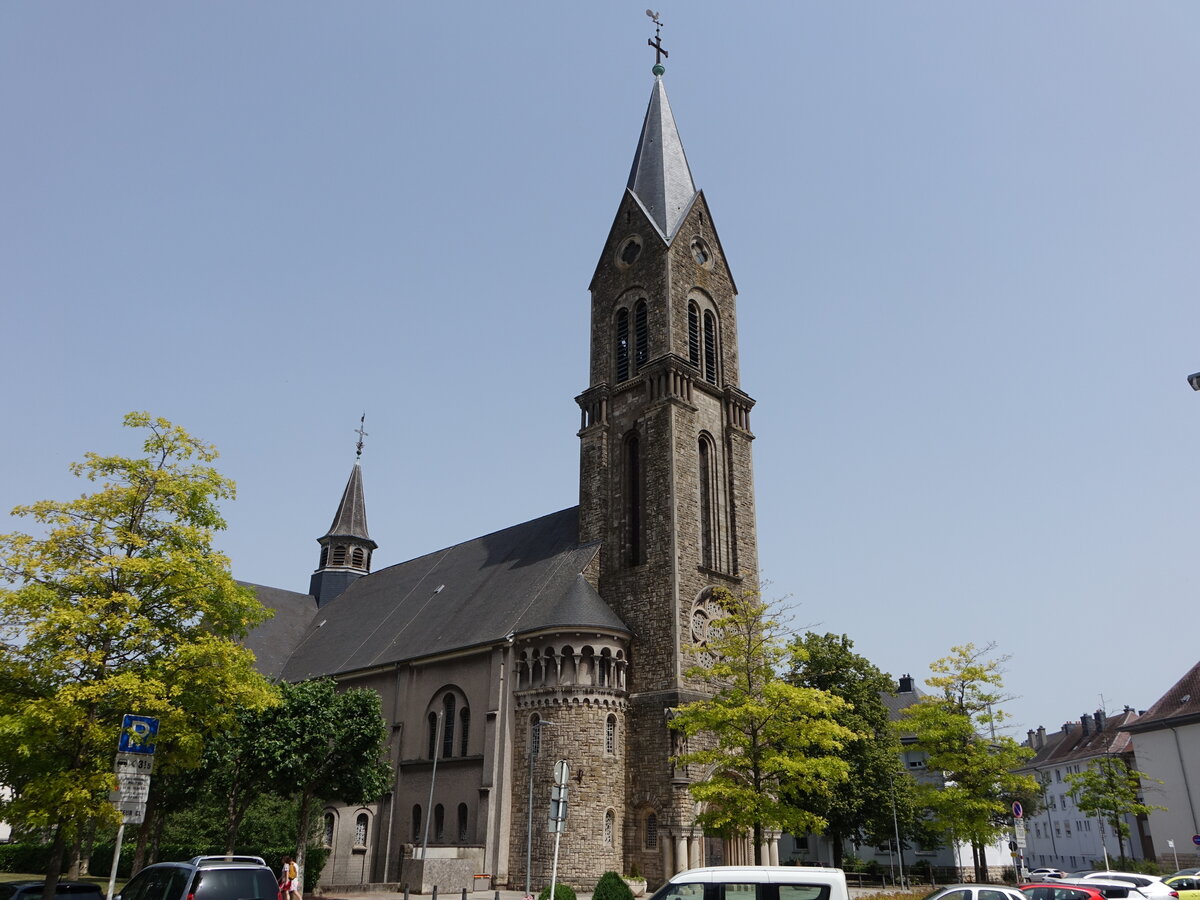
(1019, 832)
(140, 763)
(133, 788)
(137, 734)
(1018, 809)
(561, 772)
(1196, 839)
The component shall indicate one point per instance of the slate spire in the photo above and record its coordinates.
(660, 177)
(346, 547)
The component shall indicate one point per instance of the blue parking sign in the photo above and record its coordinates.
(137, 734)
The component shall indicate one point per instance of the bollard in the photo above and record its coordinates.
(435, 892)
(497, 895)
(464, 896)
(406, 892)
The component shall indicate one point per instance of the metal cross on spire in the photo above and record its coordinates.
(659, 52)
(361, 434)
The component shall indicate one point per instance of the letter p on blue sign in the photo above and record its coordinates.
(137, 734)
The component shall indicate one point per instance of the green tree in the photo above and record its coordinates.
(861, 806)
(758, 742)
(322, 744)
(955, 725)
(121, 604)
(1110, 789)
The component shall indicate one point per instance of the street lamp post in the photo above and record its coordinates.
(535, 740)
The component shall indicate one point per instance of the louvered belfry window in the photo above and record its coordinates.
(633, 500)
(641, 336)
(706, 504)
(710, 348)
(622, 345)
(694, 335)
(448, 727)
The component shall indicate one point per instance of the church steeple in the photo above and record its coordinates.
(660, 177)
(346, 547)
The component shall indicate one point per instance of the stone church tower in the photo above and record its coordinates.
(665, 467)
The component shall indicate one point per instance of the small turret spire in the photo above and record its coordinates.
(346, 547)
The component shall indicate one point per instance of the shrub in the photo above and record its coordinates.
(561, 892)
(611, 886)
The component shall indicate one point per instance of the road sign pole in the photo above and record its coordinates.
(561, 774)
(112, 876)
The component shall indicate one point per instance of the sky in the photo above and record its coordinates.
(964, 236)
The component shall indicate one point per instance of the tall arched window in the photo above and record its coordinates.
(610, 734)
(622, 347)
(464, 729)
(641, 336)
(694, 334)
(710, 348)
(462, 823)
(608, 827)
(633, 500)
(651, 831)
(448, 726)
(439, 823)
(604, 669)
(433, 730)
(327, 830)
(707, 486)
(417, 837)
(360, 830)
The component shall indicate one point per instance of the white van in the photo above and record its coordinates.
(756, 883)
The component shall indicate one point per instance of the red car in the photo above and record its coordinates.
(1054, 891)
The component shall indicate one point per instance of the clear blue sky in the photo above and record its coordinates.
(965, 238)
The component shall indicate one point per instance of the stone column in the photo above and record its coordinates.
(695, 850)
(681, 853)
(668, 863)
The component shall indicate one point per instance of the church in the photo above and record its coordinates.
(569, 636)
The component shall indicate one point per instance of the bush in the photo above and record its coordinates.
(1008, 875)
(24, 857)
(611, 886)
(561, 892)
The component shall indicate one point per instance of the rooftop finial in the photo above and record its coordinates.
(361, 434)
(659, 52)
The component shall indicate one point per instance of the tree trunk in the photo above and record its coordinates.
(981, 872)
(73, 853)
(143, 835)
(838, 851)
(757, 838)
(302, 832)
(54, 863)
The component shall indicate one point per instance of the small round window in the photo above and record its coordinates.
(701, 253)
(629, 251)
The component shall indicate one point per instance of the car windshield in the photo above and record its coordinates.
(235, 884)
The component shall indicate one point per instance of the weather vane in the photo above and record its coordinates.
(659, 52)
(361, 434)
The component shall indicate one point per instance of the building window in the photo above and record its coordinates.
(641, 336)
(360, 830)
(633, 500)
(433, 729)
(462, 823)
(694, 334)
(417, 837)
(356, 557)
(608, 828)
(324, 557)
(448, 726)
(610, 734)
(710, 348)
(622, 347)
(327, 831)
(464, 729)
(651, 831)
(439, 823)
(706, 503)
(604, 669)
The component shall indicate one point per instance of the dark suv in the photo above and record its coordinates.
(204, 878)
(32, 890)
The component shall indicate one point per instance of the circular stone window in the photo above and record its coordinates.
(701, 253)
(629, 250)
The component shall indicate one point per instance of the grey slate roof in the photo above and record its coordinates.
(521, 579)
(350, 520)
(660, 177)
(272, 641)
(1071, 743)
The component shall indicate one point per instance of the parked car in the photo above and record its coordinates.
(1150, 885)
(1183, 872)
(755, 883)
(204, 878)
(1186, 886)
(1052, 890)
(1043, 872)
(32, 890)
(976, 892)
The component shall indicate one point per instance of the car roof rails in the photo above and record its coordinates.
(218, 860)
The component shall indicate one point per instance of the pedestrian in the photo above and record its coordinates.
(286, 870)
(297, 881)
